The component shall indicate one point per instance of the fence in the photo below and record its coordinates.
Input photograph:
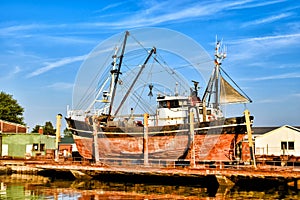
(277, 151)
(199, 164)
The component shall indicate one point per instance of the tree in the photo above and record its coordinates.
(67, 132)
(47, 129)
(36, 129)
(10, 110)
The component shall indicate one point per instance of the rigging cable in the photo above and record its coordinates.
(89, 92)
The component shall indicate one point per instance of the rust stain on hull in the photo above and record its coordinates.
(207, 147)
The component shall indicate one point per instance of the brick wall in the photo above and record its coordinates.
(9, 127)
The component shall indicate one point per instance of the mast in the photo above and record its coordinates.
(117, 72)
(114, 71)
(153, 50)
(213, 85)
(219, 57)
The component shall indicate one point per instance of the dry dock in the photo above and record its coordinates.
(221, 175)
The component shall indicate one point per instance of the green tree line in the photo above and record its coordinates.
(11, 111)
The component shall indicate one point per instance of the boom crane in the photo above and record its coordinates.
(153, 50)
(117, 76)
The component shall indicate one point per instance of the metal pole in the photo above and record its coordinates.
(57, 139)
(145, 140)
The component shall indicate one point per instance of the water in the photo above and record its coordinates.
(22, 187)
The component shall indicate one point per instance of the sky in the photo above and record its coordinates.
(44, 43)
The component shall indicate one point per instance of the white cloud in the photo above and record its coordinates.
(266, 38)
(110, 6)
(12, 73)
(13, 29)
(65, 40)
(275, 77)
(255, 4)
(153, 13)
(296, 95)
(277, 100)
(267, 19)
(166, 12)
(56, 64)
(253, 48)
(19, 29)
(61, 86)
(16, 70)
(273, 100)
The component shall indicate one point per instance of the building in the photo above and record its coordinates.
(9, 127)
(284, 140)
(22, 145)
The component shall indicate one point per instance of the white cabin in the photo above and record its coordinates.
(174, 110)
(171, 110)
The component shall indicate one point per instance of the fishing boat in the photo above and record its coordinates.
(180, 126)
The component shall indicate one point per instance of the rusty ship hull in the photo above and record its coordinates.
(212, 141)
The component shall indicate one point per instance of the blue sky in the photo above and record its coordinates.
(43, 44)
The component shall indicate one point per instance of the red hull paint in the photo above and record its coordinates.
(216, 147)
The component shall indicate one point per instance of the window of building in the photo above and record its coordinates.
(38, 147)
(287, 145)
(42, 147)
(35, 147)
(291, 146)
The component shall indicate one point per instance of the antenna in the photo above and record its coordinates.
(176, 89)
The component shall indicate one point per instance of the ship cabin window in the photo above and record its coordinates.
(208, 112)
(169, 104)
(183, 103)
(162, 104)
(287, 145)
(201, 111)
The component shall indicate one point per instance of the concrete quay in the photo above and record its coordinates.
(225, 176)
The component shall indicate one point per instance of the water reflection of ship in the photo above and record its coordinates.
(175, 189)
(168, 134)
(94, 189)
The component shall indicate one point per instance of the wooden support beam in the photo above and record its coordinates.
(57, 134)
(192, 134)
(249, 132)
(145, 140)
(95, 134)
